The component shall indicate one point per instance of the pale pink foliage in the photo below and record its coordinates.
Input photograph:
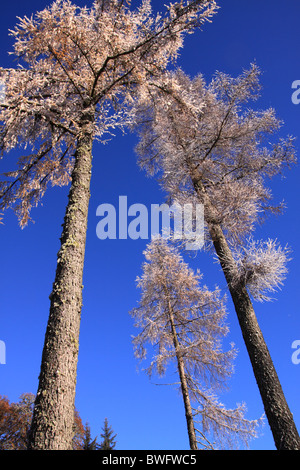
(191, 130)
(169, 287)
(262, 267)
(78, 60)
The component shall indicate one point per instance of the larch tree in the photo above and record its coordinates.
(185, 324)
(208, 147)
(79, 70)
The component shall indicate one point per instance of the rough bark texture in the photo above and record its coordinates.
(184, 386)
(279, 416)
(53, 419)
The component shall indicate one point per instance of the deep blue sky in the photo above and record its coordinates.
(145, 415)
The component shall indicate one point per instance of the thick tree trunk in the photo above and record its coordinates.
(279, 416)
(52, 426)
(184, 386)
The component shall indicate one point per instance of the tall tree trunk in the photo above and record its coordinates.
(184, 386)
(52, 426)
(279, 416)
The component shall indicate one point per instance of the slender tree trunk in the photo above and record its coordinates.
(52, 426)
(279, 416)
(184, 386)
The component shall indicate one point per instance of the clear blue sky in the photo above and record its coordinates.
(145, 415)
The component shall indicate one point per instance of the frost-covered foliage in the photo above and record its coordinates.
(167, 282)
(262, 267)
(78, 62)
(184, 321)
(206, 145)
(203, 139)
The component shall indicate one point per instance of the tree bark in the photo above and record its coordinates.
(52, 425)
(279, 416)
(184, 386)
